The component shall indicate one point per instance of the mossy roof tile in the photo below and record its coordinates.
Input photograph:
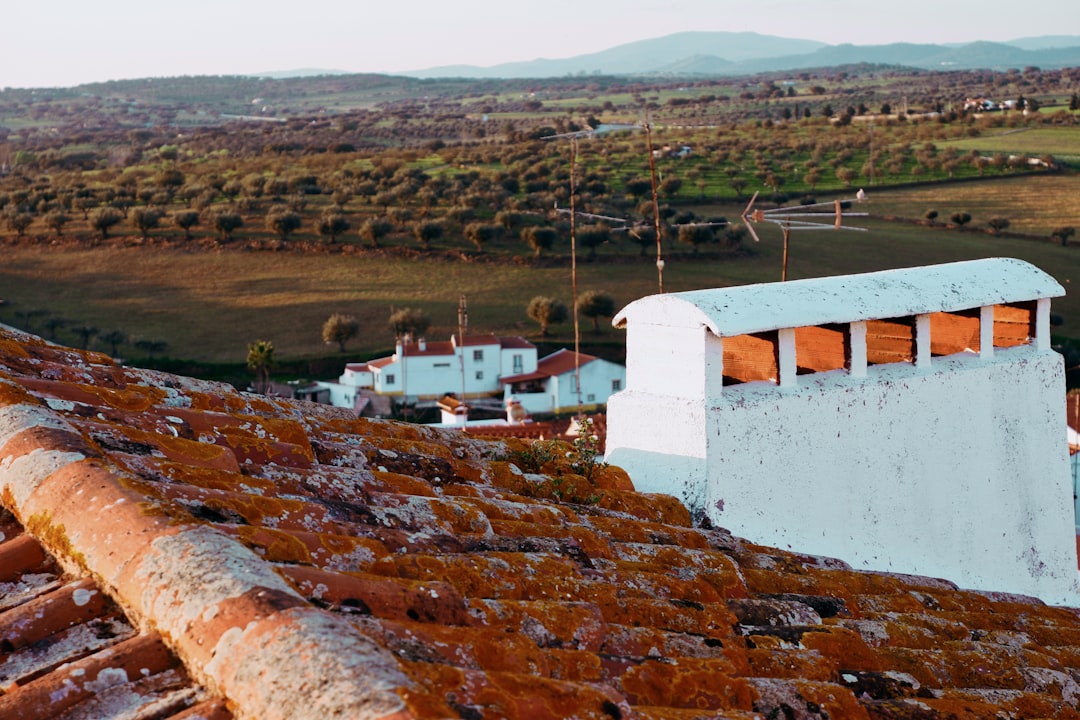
(410, 572)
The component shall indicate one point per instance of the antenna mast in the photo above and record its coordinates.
(655, 203)
(462, 323)
(573, 268)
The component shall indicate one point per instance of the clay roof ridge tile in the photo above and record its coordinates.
(22, 470)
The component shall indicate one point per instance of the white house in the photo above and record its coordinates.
(906, 421)
(424, 370)
(553, 385)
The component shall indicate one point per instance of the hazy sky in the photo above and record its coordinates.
(67, 42)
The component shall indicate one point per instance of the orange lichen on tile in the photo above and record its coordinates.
(381, 596)
(642, 531)
(703, 684)
(513, 696)
(337, 552)
(712, 620)
(790, 664)
(662, 509)
(556, 623)
(845, 648)
(592, 543)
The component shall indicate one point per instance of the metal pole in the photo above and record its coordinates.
(655, 204)
(573, 269)
(787, 237)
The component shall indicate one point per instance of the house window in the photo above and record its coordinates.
(441, 365)
(519, 364)
(590, 398)
(479, 374)
(478, 355)
(616, 385)
(389, 379)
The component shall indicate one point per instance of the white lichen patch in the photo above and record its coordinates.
(355, 677)
(82, 596)
(106, 678)
(186, 573)
(22, 475)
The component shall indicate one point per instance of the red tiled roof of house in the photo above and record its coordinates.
(302, 563)
(559, 362)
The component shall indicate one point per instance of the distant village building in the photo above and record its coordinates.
(907, 421)
(553, 386)
(483, 366)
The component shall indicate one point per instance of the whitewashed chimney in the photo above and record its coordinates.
(910, 420)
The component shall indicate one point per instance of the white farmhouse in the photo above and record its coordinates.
(553, 385)
(906, 421)
(424, 370)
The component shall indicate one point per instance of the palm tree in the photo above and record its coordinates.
(260, 358)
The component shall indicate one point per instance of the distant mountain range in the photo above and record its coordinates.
(747, 53)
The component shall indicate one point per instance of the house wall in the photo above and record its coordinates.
(596, 377)
(528, 361)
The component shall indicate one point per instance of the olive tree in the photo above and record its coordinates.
(340, 328)
(546, 311)
(594, 305)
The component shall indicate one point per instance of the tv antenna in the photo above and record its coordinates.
(803, 217)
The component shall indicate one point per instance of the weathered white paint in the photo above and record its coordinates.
(947, 466)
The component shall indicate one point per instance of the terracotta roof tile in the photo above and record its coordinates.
(275, 546)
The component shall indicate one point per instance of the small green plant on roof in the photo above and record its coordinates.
(533, 458)
(585, 456)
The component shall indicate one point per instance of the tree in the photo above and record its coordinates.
(19, 222)
(260, 358)
(695, 234)
(152, 347)
(85, 332)
(185, 220)
(997, 224)
(375, 229)
(594, 305)
(56, 220)
(282, 222)
(409, 322)
(54, 323)
(114, 338)
(428, 231)
(960, 218)
(540, 238)
(738, 184)
(1062, 234)
(226, 222)
(670, 187)
(593, 236)
(546, 311)
(145, 220)
(333, 224)
(639, 187)
(104, 218)
(480, 234)
(340, 328)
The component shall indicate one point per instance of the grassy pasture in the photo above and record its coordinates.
(209, 305)
(1062, 142)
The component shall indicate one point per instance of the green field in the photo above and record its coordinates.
(209, 304)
